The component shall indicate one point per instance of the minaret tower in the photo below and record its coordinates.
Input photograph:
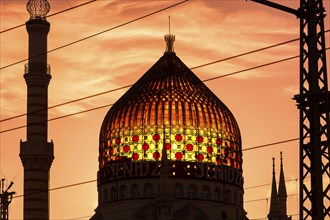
(274, 210)
(36, 152)
(282, 195)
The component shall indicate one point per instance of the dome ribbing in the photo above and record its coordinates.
(170, 106)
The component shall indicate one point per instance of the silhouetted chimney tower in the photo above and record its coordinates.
(36, 152)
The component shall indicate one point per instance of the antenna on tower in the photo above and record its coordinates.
(169, 38)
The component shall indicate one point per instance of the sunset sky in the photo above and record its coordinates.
(206, 31)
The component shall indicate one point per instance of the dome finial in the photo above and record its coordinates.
(169, 38)
(38, 9)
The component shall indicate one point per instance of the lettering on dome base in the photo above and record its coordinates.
(119, 170)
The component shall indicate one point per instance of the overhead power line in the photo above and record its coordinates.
(268, 184)
(275, 143)
(108, 105)
(113, 28)
(92, 181)
(199, 66)
(207, 206)
(127, 86)
(50, 15)
(97, 34)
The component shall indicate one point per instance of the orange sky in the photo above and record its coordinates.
(261, 100)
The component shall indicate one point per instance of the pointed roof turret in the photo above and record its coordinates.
(274, 211)
(282, 195)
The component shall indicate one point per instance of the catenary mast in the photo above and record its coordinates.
(36, 152)
(314, 106)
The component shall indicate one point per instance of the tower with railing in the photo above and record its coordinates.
(36, 152)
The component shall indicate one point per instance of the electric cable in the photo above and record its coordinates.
(100, 107)
(199, 66)
(256, 147)
(113, 28)
(268, 184)
(88, 110)
(145, 215)
(252, 148)
(261, 199)
(92, 181)
(204, 81)
(271, 144)
(97, 34)
(50, 15)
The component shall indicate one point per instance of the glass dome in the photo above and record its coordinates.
(169, 106)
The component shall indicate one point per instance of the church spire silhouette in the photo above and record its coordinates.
(282, 195)
(274, 210)
(277, 210)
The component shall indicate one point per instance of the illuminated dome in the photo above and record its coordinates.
(169, 106)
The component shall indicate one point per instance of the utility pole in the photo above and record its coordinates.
(5, 200)
(313, 104)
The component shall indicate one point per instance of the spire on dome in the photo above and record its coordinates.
(38, 9)
(282, 195)
(274, 211)
(169, 38)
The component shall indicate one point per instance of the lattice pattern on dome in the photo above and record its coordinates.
(169, 106)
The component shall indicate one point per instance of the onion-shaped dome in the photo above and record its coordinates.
(169, 106)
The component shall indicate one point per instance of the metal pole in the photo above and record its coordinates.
(313, 105)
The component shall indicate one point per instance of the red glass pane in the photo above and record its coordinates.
(112, 150)
(218, 142)
(135, 156)
(135, 138)
(178, 155)
(200, 157)
(156, 155)
(145, 146)
(118, 157)
(117, 140)
(168, 146)
(218, 159)
(199, 139)
(209, 149)
(178, 137)
(156, 137)
(126, 148)
(189, 147)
